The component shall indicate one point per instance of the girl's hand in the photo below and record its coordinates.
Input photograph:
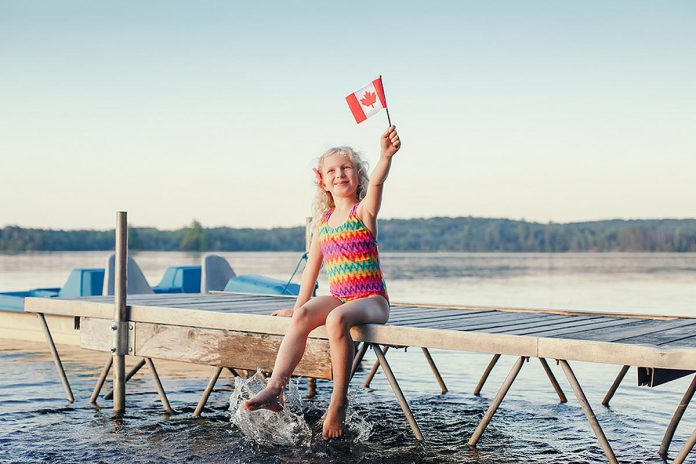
(283, 312)
(390, 142)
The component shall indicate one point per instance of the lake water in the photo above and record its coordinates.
(37, 425)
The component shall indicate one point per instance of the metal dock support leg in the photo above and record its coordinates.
(358, 358)
(120, 320)
(102, 379)
(443, 387)
(158, 385)
(561, 396)
(130, 374)
(373, 371)
(592, 419)
(615, 385)
(397, 391)
(486, 373)
(206, 393)
(56, 358)
(688, 446)
(497, 400)
(676, 418)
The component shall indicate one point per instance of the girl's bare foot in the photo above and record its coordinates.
(270, 398)
(334, 422)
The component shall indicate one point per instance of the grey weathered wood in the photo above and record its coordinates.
(636, 333)
(226, 348)
(665, 335)
(585, 404)
(603, 330)
(680, 356)
(573, 327)
(615, 353)
(526, 327)
(676, 418)
(423, 315)
(528, 323)
(470, 322)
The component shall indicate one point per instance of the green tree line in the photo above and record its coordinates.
(428, 234)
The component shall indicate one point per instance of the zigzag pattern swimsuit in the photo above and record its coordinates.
(351, 258)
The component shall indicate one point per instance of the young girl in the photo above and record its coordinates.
(346, 210)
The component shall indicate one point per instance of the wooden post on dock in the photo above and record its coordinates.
(311, 382)
(120, 323)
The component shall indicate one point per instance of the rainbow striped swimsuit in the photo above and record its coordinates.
(351, 258)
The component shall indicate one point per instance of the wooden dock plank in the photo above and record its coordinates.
(662, 336)
(545, 333)
(634, 329)
(212, 347)
(426, 317)
(468, 324)
(525, 327)
(574, 327)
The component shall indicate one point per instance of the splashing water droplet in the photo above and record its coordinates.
(287, 427)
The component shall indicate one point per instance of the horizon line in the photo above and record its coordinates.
(615, 219)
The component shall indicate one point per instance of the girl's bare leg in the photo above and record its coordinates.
(371, 310)
(304, 319)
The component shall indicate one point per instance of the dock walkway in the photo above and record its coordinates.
(237, 331)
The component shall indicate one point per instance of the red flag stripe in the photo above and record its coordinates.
(355, 108)
(380, 91)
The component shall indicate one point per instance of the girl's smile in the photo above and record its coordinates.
(339, 176)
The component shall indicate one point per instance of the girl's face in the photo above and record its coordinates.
(339, 176)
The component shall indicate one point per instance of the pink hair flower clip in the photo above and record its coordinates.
(317, 176)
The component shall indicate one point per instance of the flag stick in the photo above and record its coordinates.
(386, 107)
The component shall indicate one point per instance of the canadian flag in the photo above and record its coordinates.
(367, 101)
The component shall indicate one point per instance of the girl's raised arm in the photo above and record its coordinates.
(390, 144)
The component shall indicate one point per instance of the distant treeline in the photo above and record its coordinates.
(432, 234)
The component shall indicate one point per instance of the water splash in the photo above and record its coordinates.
(288, 427)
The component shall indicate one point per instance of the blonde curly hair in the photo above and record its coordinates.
(323, 200)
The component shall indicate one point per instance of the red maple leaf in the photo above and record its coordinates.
(369, 99)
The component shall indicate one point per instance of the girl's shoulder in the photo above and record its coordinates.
(358, 209)
(370, 222)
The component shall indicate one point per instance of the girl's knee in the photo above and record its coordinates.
(301, 316)
(336, 325)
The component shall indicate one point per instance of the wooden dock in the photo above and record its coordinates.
(236, 331)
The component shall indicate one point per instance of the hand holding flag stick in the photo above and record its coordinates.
(390, 142)
(368, 101)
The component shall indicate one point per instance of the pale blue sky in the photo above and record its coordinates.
(172, 110)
